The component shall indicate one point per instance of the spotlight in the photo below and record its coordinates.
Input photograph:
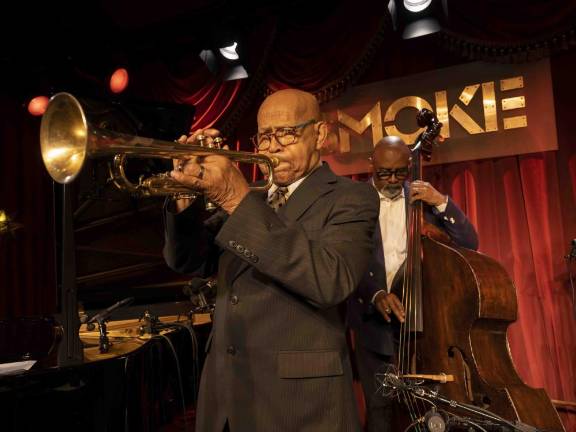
(229, 52)
(235, 72)
(210, 59)
(38, 105)
(416, 6)
(119, 80)
(415, 18)
(228, 64)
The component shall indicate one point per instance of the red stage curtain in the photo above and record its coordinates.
(211, 96)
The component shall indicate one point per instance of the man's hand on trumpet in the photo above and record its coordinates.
(216, 176)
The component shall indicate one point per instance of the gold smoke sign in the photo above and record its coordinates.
(481, 118)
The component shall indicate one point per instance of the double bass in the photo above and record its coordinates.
(454, 368)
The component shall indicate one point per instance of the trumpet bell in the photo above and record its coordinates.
(67, 138)
(64, 138)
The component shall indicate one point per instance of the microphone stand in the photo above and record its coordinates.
(198, 289)
(394, 382)
(100, 318)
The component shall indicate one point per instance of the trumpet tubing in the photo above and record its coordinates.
(67, 139)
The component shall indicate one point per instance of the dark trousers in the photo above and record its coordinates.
(379, 408)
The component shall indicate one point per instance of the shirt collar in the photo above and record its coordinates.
(292, 186)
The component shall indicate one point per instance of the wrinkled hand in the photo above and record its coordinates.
(421, 190)
(388, 303)
(215, 176)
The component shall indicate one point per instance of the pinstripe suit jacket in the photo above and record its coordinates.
(278, 358)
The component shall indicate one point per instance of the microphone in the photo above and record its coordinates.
(434, 421)
(104, 314)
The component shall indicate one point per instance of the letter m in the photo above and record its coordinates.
(373, 118)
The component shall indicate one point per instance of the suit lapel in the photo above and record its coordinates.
(317, 184)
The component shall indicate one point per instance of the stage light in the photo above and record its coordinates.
(228, 65)
(415, 18)
(119, 80)
(209, 58)
(229, 52)
(38, 105)
(235, 73)
(421, 27)
(416, 6)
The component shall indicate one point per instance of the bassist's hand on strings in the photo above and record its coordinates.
(388, 303)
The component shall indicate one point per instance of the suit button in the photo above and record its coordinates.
(254, 259)
(240, 248)
(231, 350)
(234, 299)
(232, 243)
(247, 253)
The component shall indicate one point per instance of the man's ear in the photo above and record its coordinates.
(322, 129)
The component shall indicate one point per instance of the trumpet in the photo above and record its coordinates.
(67, 138)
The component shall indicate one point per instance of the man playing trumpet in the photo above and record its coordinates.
(286, 258)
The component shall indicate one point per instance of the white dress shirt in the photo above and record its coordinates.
(393, 230)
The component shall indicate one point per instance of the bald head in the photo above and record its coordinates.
(391, 150)
(390, 162)
(300, 104)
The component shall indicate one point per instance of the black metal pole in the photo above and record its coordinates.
(70, 351)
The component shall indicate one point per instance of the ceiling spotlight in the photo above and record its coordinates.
(235, 73)
(415, 18)
(229, 52)
(226, 66)
(421, 27)
(416, 5)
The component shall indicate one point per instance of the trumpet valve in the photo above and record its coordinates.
(217, 142)
(201, 140)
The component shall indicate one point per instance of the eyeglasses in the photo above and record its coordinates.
(385, 173)
(284, 136)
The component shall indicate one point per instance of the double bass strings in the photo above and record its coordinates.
(407, 355)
